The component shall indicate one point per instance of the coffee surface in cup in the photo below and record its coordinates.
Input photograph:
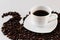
(40, 13)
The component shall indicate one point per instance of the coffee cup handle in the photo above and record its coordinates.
(52, 17)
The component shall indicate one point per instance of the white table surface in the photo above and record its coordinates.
(23, 7)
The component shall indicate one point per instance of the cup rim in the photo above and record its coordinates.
(41, 16)
(41, 9)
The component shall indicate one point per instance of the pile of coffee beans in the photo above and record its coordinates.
(54, 35)
(11, 28)
(16, 31)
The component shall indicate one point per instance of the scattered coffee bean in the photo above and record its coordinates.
(10, 28)
(25, 17)
(16, 31)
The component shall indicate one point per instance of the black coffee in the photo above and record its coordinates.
(40, 13)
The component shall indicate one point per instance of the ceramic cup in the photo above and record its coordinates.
(41, 20)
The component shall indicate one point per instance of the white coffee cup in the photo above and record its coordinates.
(41, 20)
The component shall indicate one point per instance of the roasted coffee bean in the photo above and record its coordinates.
(54, 35)
(26, 17)
(16, 31)
(10, 28)
(54, 12)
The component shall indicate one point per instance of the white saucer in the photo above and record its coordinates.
(40, 29)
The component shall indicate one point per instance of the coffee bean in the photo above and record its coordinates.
(16, 31)
(10, 28)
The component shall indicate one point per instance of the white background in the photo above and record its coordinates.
(23, 7)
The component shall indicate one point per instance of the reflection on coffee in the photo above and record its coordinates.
(40, 13)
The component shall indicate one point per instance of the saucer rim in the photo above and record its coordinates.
(40, 32)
